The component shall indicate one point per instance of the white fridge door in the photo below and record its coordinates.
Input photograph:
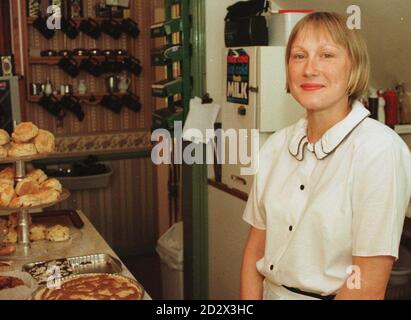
(238, 114)
(276, 109)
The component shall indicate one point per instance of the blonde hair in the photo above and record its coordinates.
(351, 40)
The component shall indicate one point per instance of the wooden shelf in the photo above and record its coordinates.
(55, 59)
(30, 20)
(86, 96)
(403, 128)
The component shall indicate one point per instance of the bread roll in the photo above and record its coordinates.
(58, 233)
(6, 194)
(3, 152)
(37, 232)
(11, 237)
(52, 184)
(7, 250)
(44, 142)
(22, 150)
(8, 173)
(27, 186)
(48, 196)
(37, 175)
(30, 200)
(4, 137)
(15, 203)
(24, 132)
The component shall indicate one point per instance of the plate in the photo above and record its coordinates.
(26, 158)
(63, 196)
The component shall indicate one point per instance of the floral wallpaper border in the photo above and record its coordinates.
(103, 142)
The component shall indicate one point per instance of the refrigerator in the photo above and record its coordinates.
(255, 97)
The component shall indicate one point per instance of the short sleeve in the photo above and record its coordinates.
(253, 213)
(381, 193)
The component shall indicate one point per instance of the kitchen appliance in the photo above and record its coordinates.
(255, 98)
(9, 103)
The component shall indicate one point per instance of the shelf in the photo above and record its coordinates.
(30, 20)
(402, 128)
(167, 88)
(86, 96)
(55, 59)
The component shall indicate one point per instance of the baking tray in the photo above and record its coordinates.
(66, 217)
(36, 295)
(95, 263)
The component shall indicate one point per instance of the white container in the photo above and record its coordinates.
(170, 249)
(280, 26)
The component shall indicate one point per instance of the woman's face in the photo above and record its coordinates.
(318, 70)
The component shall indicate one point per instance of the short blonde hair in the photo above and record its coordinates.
(335, 25)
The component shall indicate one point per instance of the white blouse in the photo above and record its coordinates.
(320, 204)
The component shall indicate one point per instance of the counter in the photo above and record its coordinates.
(90, 242)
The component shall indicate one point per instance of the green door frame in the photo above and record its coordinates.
(195, 194)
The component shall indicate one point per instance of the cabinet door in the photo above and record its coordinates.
(238, 115)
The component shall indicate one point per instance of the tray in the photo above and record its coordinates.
(63, 196)
(65, 217)
(36, 295)
(26, 158)
(96, 263)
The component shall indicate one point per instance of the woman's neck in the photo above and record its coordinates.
(319, 121)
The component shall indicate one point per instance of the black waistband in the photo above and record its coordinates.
(310, 294)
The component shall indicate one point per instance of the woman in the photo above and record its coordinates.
(328, 203)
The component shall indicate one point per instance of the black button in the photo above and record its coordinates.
(271, 267)
(290, 228)
(302, 187)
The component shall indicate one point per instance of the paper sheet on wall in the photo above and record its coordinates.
(200, 119)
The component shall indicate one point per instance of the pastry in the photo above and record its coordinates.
(48, 196)
(27, 186)
(10, 282)
(58, 233)
(4, 137)
(52, 184)
(3, 152)
(93, 287)
(8, 174)
(7, 250)
(11, 237)
(24, 132)
(37, 175)
(6, 181)
(44, 141)
(6, 194)
(37, 232)
(30, 200)
(15, 203)
(22, 150)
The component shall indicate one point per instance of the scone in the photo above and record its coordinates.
(4, 137)
(8, 173)
(3, 152)
(47, 196)
(6, 194)
(11, 236)
(15, 203)
(30, 200)
(52, 184)
(37, 175)
(24, 132)
(44, 141)
(37, 232)
(22, 150)
(27, 186)
(58, 233)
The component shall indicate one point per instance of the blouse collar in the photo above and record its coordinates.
(331, 139)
